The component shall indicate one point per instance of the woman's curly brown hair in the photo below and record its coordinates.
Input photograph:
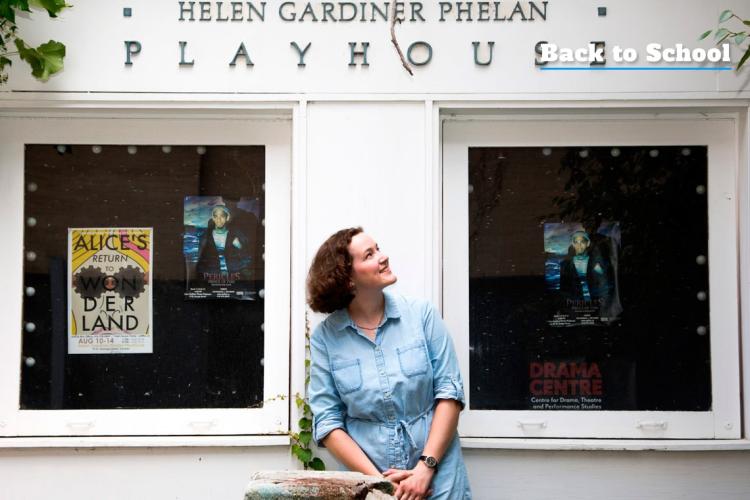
(329, 279)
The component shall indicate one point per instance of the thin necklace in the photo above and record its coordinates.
(373, 327)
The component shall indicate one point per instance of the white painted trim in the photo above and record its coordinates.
(144, 441)
(743, 187)
(298, 262)
(584, 99)
(720, 133)
(607, 444)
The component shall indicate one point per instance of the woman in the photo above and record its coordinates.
(385, 388)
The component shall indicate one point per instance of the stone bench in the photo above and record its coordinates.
(332, 485)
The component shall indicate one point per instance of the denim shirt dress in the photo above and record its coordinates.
(383, 392)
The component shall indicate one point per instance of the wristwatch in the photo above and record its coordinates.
(430, 462)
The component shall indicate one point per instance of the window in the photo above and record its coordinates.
(155, 283)
(591, 272)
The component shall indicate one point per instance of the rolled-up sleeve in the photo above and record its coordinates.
(326, 405)
(447, 383)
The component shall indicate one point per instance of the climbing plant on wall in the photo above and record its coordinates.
(45, 59)
(723, 33)
(301, 441)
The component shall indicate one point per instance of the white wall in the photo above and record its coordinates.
(95, 32)
(222, 473)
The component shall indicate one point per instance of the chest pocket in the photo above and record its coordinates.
(412, 358)
(347, 375)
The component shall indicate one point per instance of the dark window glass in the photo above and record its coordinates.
(589, 278)
(207, 346)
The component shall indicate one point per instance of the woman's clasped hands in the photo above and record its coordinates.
(411, 484)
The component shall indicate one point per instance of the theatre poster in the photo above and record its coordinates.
(109, 290)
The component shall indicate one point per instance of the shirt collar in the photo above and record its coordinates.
(340, 318)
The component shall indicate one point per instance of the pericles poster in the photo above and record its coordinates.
(581, 273)
(221, 248)
(109, 290)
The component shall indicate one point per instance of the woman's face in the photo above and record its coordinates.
(370, 268)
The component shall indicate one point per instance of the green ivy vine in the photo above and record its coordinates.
(302, 440)
(723, 34)
(46, 59)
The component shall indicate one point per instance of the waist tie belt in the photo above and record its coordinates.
(402, 426)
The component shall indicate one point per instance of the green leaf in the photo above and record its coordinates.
(304, 455)
(306, 409)
(307, 363)
(317, 464)
(704, 35)
(721, 32)
(299, 401)
(744, 58)
(740, 38)
(725, 16)
(304, 437)
(305, 424)
(724, 38)
(53, 7)
(45, 60)
(746, 22)
(4, 61)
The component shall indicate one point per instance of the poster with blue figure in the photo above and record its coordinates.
(581, 273)
(222, 246)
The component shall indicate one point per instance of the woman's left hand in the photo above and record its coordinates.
(411, 484)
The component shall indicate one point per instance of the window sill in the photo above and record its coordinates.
(143, 441)
(607, 444)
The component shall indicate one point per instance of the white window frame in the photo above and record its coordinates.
(274, 131)
(719, 133)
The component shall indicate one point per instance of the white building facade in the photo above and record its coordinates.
(475, 173)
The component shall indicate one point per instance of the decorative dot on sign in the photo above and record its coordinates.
(31, 256)
(30, 291)
(615, 152)
(262, 327)
(132, 150)
(61, 148)
(31, 221)
(29, 361)
(584, 153)
(201, 150)
(700, 189)
(685, 151)
(701, 259)
(262, 361)
(546, 151)
(31, 186)
(471, 188)
(701, 330)
(701, 296)
(262, 293)
(96, 149)
(653, 153)
(30, 327)
(166, 149)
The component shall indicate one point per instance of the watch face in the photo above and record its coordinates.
(430, 461)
